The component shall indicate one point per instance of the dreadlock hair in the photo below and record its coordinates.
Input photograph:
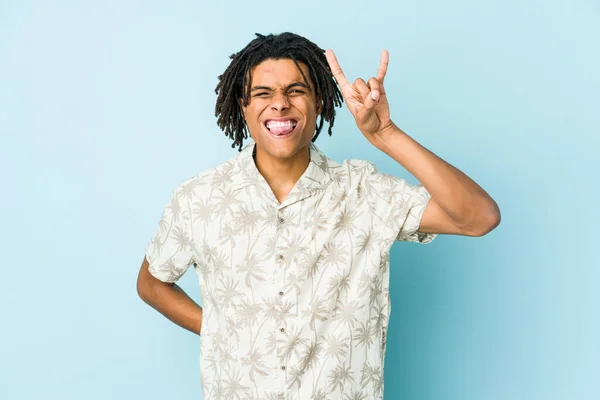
(235, 82)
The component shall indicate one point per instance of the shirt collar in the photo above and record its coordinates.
(316, 176)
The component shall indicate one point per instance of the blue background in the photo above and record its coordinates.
(106, 106)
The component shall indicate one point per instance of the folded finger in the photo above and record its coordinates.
(362, 87)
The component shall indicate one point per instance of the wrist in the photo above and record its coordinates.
(387, 138)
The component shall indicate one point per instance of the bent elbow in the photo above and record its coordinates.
(143, 288)
(489, 224)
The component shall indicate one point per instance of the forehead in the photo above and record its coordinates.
(281, 72)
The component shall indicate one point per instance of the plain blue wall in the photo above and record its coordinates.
(106, 106)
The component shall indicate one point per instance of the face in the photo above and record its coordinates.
(282, 111)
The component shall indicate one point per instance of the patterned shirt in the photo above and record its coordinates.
(294, 295)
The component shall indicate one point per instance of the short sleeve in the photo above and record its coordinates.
(397, 204)
(170, 251)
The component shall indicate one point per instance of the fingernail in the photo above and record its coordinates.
(375, 95)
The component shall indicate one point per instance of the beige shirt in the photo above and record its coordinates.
(294, 295)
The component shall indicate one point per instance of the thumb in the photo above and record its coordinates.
(367, 119)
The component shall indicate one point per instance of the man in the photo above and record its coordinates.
(290, 247)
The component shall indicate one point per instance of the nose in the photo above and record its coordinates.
(279, 102)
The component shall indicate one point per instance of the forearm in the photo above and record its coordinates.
(175, 304)
(459, 196)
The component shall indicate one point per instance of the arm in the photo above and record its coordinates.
(170, 300)
(457, 205)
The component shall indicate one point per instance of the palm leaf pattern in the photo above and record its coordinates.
(295, 295)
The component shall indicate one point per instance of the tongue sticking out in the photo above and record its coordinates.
(281, 129)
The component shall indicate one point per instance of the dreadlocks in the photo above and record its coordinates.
(235, 82)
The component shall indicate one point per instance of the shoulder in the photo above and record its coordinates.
(359, 167)
(349, 169)
(199, 185)
(363, 174)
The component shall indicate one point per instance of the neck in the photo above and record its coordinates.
(282, 174)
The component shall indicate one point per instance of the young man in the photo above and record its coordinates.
(290, 247)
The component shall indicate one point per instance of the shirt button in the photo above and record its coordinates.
(280, 394)
(281, 293)
(282, 329)
(280, 256)
(283, 367)
(281, 220)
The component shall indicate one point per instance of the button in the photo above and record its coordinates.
(282, 329)
(280, 256)
(280, 394)
(281, 220)
(281, 293)
(283, 367)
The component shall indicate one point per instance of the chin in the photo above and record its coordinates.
(283, 150)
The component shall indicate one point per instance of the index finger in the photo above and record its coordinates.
(338, 74)
(383, 64)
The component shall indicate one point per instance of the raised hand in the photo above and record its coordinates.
(366, 101)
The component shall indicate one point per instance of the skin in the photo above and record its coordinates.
(280, 161)
(278, 91)
(458, 205)
(170, 300)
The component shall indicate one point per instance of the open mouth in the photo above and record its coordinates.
(281, 128)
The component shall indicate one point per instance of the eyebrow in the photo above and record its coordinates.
(297, 83)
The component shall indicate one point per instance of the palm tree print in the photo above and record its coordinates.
(339, 377)
(295, 294)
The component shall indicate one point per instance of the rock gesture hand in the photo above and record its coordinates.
(366, 101)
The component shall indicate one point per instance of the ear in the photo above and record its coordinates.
(319, 105)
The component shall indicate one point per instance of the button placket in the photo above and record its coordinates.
(280, 219)
(280, 262)
(279, 259)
